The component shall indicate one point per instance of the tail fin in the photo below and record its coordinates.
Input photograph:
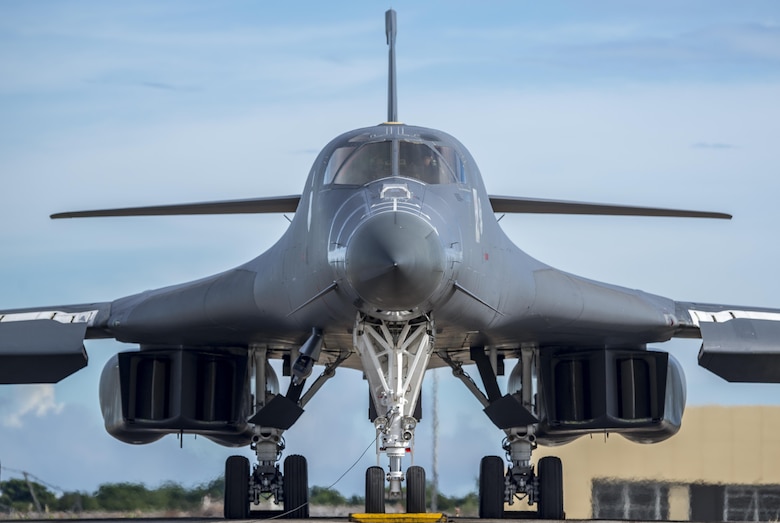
(392, 98)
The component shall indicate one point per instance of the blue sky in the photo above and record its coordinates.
(109, 104)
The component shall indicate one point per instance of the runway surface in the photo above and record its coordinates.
(310, 520)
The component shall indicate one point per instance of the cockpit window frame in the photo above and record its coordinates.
(431, 165)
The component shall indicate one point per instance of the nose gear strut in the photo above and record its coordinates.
(394, 357)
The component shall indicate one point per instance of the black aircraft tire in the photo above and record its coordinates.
(296, 487)
(550, 472)
(375, 490)
(415, 490)
(491, 487)
(236, 488)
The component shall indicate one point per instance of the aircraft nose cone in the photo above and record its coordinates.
(395, 261)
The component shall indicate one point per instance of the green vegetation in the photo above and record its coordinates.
(332, 497)
(16, 496)
(326, 496)
(464, 505)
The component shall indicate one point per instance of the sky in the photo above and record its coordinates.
(668, 104)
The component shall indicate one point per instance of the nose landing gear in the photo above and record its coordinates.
(394, 356)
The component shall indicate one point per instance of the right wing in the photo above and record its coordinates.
(45, 345)
(739, 344)
(517, 204)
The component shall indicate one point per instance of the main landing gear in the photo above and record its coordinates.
(514, 413)
(394, 356)
(264, 482)
(275, 413)
(544, 487)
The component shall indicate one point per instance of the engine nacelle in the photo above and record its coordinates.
(147, 394)
(637, 393)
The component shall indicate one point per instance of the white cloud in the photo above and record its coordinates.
(28, 400)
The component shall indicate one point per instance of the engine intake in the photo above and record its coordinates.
(637, 393)
(145, 395)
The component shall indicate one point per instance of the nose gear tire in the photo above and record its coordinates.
(375, 490)
(415, 490)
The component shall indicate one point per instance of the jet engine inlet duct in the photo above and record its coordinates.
(145, 395)
(636, 393)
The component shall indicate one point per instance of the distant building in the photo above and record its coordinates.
(723, 465)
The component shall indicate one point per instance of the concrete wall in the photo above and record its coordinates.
(716, 445)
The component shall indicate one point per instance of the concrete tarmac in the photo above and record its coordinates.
(310, 520)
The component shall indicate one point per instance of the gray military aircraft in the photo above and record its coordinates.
(394, 263)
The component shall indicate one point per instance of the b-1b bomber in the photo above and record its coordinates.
(394, 263)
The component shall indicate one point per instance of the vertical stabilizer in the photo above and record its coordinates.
(392, 98)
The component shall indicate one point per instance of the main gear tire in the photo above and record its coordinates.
(296, 487)
(491, 488)
(550, 473)
(236, 488)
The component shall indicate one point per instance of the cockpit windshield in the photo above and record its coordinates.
(358, 164)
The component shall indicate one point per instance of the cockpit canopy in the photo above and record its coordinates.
(365, 158)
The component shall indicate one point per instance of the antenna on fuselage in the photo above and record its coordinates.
(392, 98)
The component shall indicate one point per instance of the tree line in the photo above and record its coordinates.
(24, 495)
(467, 504)
(20, 495)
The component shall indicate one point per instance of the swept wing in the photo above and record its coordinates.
(500, 204)
(739, 344)
(45, 345)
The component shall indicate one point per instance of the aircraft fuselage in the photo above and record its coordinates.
(379, 234)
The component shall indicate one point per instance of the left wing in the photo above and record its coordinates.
(250, 206)
(739, 344)
(46, 345)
